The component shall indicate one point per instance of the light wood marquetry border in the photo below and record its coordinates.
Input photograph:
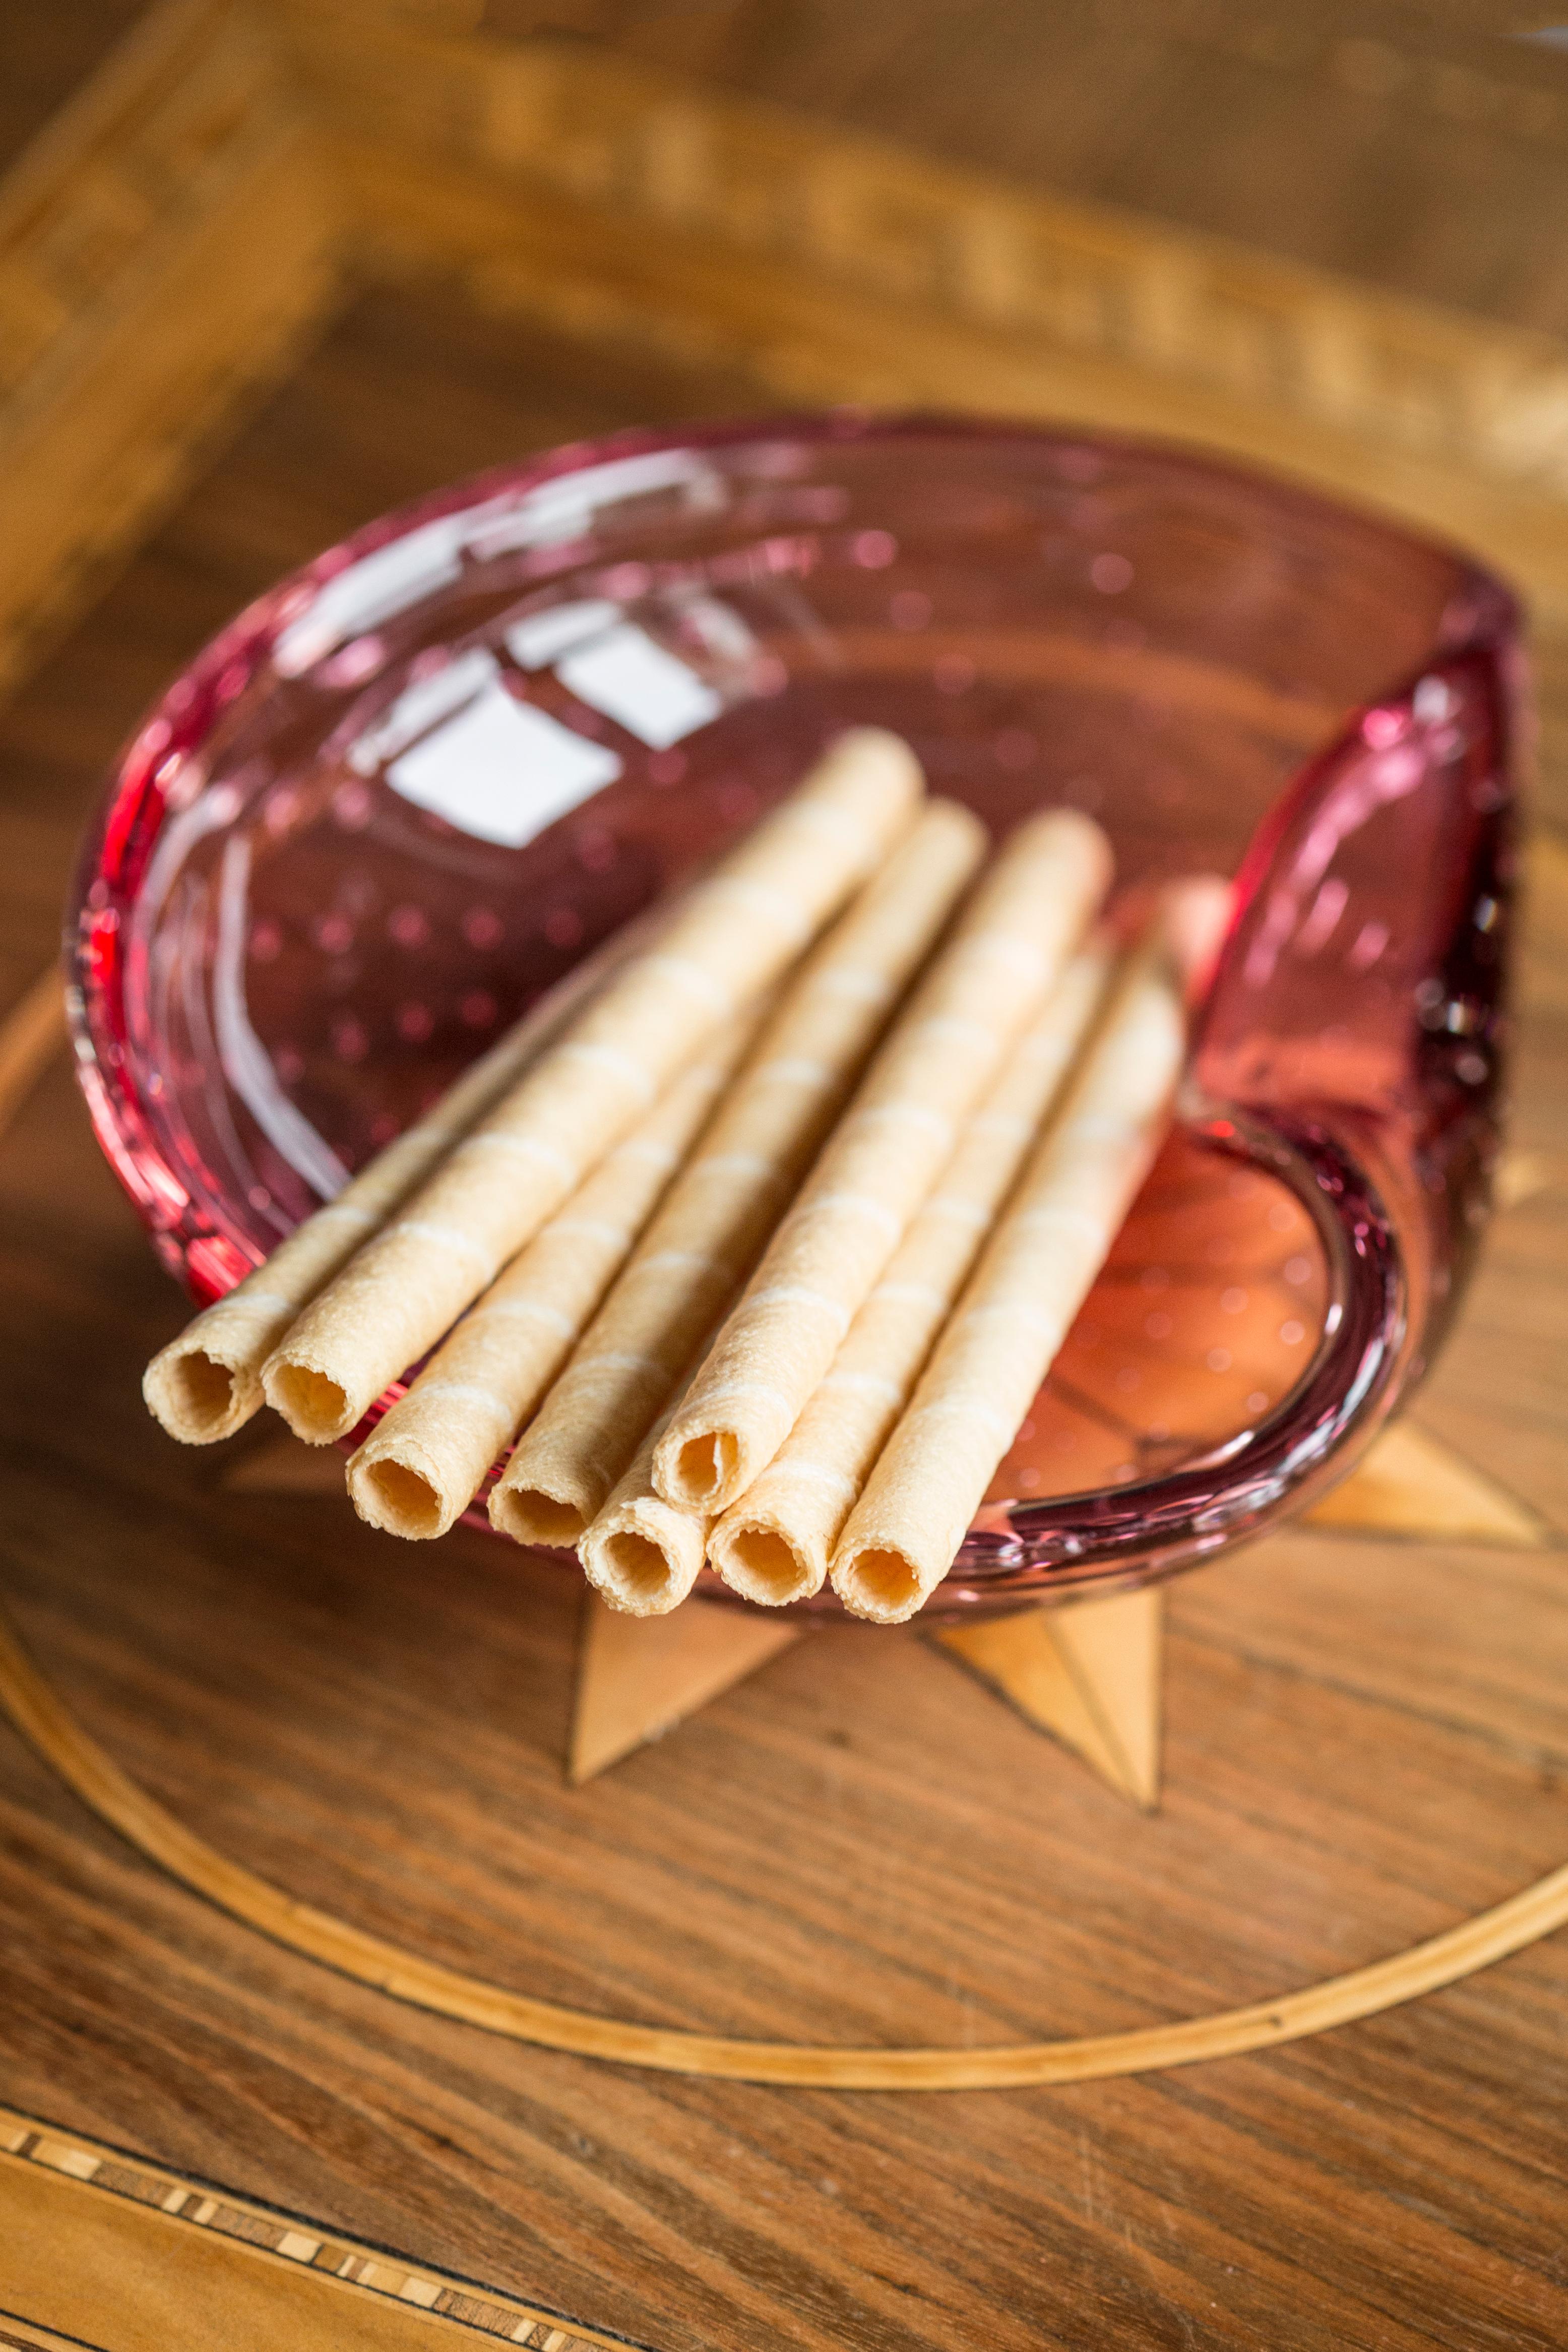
(209, 199)
(409, 2300)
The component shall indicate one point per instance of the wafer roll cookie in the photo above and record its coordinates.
(1007, 951)
(422, 1465)
(713, 1224)
(774, 1545)
(641, 1553)
(207, 1383)
(902, 1535)
(733, 936)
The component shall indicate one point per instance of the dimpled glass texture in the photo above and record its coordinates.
(413, 784)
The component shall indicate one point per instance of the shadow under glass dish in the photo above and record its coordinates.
(412, 786)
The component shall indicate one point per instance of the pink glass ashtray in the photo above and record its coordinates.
(406, 791)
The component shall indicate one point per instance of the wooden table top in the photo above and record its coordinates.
(1367, 1742)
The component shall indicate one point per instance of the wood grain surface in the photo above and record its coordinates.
(49, 53)
(1366, 1739)
(1366, 1742)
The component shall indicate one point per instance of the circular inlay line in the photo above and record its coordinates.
(42, 1718)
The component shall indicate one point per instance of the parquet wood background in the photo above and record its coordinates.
(1367, 1740)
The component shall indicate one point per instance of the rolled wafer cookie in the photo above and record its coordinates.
(641, 1553)
(1007, 952)
(718, 1213)
(207, 1383)
(773, 1546)
(734, 936)
(904, 1533)
(422, 1465)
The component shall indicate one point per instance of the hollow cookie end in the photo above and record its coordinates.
(699, 1472)
(196, 1396)
(394, 1496)
(880, 1583)
(316, 1407)
(762, 1565)
(644, 1557)
(634, 1573)
(531, 1517)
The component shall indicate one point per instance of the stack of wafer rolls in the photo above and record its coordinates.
(904, 1532)
(643, 1553)
(774, 1545)
(422, 1463)
(729, 1198)
(734, 936)
(757, 1242)
(1015, 936)
(207, 1383)
(640, 1553)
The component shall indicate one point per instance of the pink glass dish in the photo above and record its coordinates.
(413, 784)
